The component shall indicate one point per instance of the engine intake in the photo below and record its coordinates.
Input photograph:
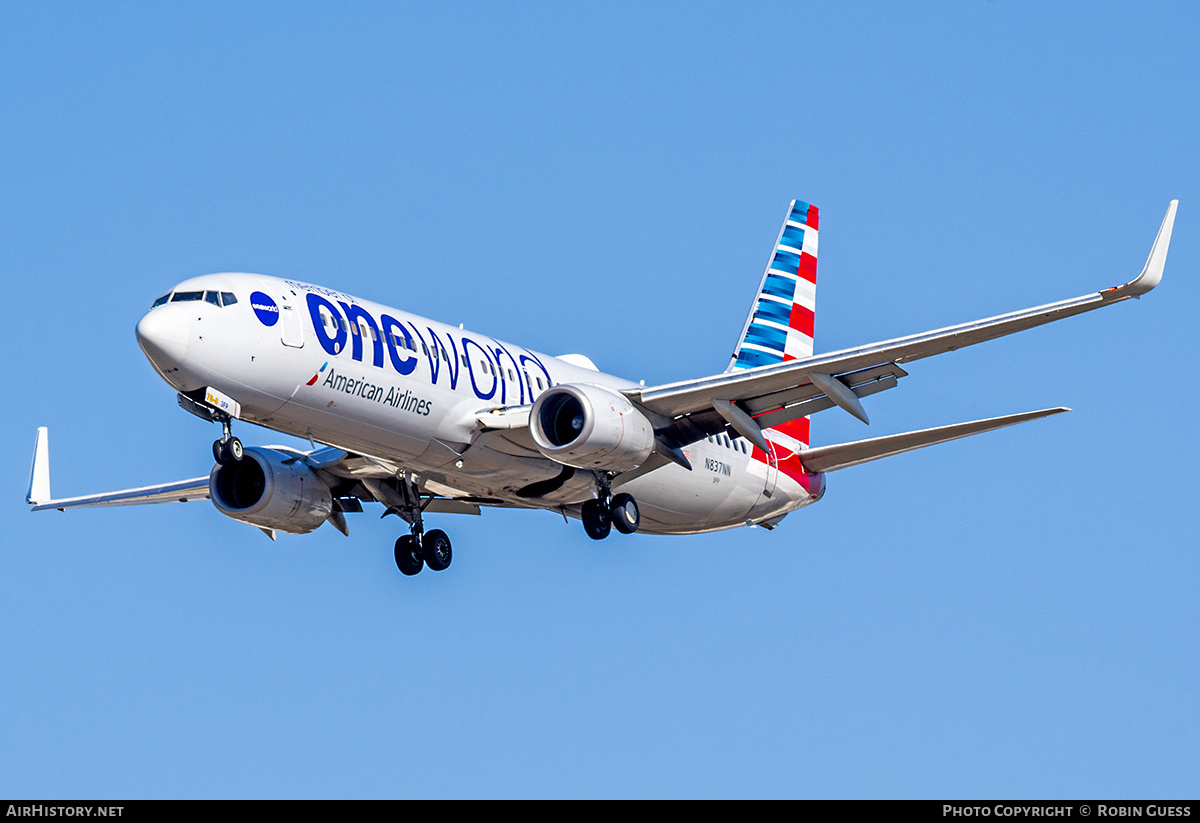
(272, 491)
(590, 427)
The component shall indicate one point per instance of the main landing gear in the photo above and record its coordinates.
(419, 548)
(228, 449)
(609, 511)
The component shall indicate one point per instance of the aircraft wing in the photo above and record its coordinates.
(39, 487)
(752, 399)
(183, 491)
(350, 475)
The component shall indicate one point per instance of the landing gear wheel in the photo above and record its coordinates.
(408, 556)
(435, 548)
(228, 450)
(596, 520)
(625, 515)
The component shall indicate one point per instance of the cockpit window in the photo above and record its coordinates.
(228, 298)
(187, 296)
(161, 300)
(213, 297)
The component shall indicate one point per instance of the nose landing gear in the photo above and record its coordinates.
(228, 449)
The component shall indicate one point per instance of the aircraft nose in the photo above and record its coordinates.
(163, 336)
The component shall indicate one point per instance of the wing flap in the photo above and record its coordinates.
(844, 455)
(689, 396)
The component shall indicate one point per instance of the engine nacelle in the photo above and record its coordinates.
(265, 491)
(590, 427)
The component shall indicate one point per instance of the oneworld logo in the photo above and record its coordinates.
(265, 308)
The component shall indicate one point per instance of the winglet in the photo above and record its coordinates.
(1152, 272)
(39, 471)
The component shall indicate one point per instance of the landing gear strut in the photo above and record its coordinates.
(228, 449)
(608, 510)
(419, 548)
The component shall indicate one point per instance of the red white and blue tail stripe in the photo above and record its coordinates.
(780, 325)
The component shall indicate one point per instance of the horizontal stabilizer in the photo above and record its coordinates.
(844, 455)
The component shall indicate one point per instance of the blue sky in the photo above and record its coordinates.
(1011, 615)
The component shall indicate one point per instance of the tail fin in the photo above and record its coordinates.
(780, 324)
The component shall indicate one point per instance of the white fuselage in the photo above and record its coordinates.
(323, 365)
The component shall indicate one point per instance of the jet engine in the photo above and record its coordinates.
(589, 427)
(272, 491)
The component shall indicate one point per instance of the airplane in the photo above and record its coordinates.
(425, 418)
